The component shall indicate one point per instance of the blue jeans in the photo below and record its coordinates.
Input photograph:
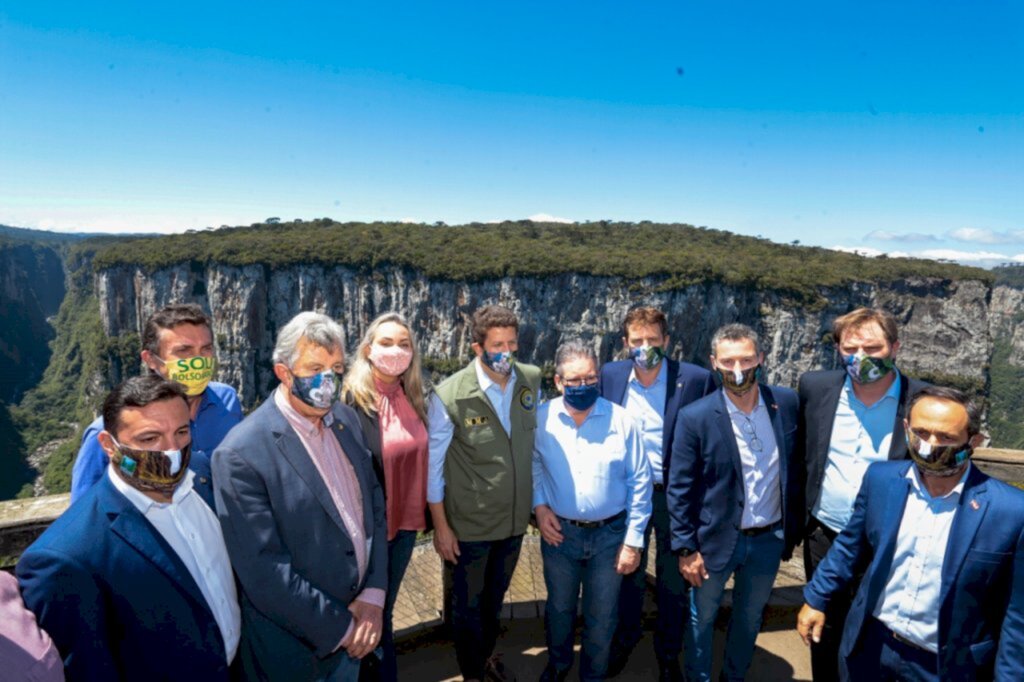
(399, 554)
(670, 592)
(755, 562)
(586, 557)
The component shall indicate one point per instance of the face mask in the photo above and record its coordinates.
(865, 369)
(938, 460)
(390, 360)
(193, 373)
(580, 398)
(319, 391)
(646, 357)
(499, 362)
(151, 470)
(739, 381)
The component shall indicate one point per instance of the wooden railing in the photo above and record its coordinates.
(22, 521)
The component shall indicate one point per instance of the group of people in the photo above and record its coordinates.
(201, 545)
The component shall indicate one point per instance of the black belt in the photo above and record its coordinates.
(596, 524)
(760, 530)
(897, 637)
(659, 487)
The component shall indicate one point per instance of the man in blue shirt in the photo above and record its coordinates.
(177, 344)
(653, 388)
(849, 418)
(592, 501)
(736, 499)
(942, 597)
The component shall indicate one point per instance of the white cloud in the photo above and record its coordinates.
(547, 218)
(986, 236)
(887, 236)
(983, 259)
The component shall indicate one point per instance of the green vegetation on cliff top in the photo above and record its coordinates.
(681, 254)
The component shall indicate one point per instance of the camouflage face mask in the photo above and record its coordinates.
(938, 460)
(151, 470)
(646, 357)
(740, 381)
(865, 369)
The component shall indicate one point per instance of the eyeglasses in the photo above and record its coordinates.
(585, 381)
(750, 431)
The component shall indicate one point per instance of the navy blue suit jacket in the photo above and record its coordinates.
(289, 546)
(114, 596)
(981, 609)
(705, 489)
(685, 383)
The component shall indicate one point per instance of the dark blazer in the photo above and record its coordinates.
(115, 597)
(819, 398)
(288, 545)
(981, 609)
(706, 491)
(685, 384)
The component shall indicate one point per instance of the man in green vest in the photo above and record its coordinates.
(482, 421)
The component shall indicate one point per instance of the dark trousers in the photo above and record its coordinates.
(825, 654)
(880, 657)
(670, 592)
(479, 581)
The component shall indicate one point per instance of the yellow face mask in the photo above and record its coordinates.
(193, 373)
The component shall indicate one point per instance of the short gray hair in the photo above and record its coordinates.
(316, 328)
(571, 350)
(735, 332)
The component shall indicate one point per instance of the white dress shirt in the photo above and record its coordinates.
(762, 484)
(909, 604)
(192, 530)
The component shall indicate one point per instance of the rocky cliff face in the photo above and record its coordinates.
(31, 290)
(945, 324)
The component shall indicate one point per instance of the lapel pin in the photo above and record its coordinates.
(974, 505)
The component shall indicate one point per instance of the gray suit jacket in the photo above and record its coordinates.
(294, 559)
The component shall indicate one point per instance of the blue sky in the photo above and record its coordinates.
(877, 126)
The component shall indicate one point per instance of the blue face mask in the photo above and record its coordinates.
(319, 391)
(580, 397)
(499, 362)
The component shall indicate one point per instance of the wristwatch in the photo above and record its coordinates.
(684, 552)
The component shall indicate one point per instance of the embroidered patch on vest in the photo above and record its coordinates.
(476, 421)
(527, 399)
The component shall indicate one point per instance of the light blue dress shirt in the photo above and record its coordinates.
(440, 428)
(762, 486)
(860, 435)
(646, 405)
(594, 471)
(909, 604)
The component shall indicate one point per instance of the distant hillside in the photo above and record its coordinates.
(682, 253)
(40, 236)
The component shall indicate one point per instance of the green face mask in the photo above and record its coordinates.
(193, 373)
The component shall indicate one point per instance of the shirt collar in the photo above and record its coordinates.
(301, 424)
(486, 383)
(144, 503)
(661, 378)
(731, 406)
(915, 480)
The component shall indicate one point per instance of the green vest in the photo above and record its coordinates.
(488, 474)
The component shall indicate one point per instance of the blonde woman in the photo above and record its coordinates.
(385, 386)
